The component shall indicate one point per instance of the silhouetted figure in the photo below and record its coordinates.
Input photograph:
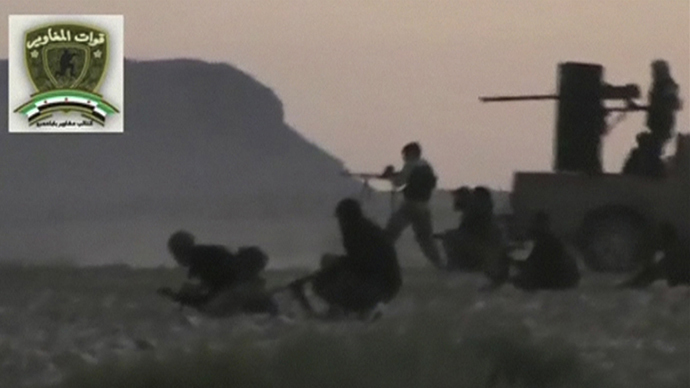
(486, 237)
(461, 198)
(549, 266)
(418, 178)
(674, 265)
(227, 283)
(480, 211)
(366, 275)
(645, 159)
(663, 103)
(66, 63)
(455, 241)
(477, 244)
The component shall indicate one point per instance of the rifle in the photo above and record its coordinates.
(171, 295)
(363, 175)
(366, 188)
(297, 282)
(298, 293)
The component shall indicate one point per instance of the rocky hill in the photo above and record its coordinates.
(200, 138)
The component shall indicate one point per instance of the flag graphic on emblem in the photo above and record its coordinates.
(66, 64)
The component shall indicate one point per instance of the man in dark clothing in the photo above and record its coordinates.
(549, 266)
(676, 261)
(480, 212)
(455, 241)
(645, 159)
(674, 265)
(490, 247)
(461, 199)
(477, 244)
(227, 283)
(366, 275)
(663, 103)
(419, 180)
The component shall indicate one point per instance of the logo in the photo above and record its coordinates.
(65, 65)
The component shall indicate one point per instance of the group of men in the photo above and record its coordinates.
(368, 273)
(354, 283)
(229, 283)
(479, 244)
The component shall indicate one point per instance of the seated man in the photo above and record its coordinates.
(227, 283)
(549, 266)
(676, 260)
(477, 244)
(488, 237)
(366, 275)
(674, 265)
(455, 241)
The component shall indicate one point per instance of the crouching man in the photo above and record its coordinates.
(549, 265)
(368, 273)
(226, 283)
(673, 266)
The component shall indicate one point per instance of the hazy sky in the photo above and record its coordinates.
(361, 78)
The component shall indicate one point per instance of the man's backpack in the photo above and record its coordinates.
(249, 262)
(421, 183)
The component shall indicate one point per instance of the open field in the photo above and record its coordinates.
(105, 327)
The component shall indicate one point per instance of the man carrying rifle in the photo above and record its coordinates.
(663, 103)
(418, 178)
(368, 273)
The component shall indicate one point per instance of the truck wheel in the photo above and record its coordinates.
(615, 239)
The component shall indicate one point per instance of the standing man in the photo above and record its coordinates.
(418, 178)
(663, 103)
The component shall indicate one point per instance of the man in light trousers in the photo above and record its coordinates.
(418, 178)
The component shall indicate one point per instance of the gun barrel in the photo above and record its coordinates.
(533, 97)
(627, 109)
(362, 175)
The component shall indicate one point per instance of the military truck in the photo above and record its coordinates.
(610, 218)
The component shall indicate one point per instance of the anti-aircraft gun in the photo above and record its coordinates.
(610, 218)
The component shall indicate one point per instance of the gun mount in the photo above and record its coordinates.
(581, 114)
(610, 219)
